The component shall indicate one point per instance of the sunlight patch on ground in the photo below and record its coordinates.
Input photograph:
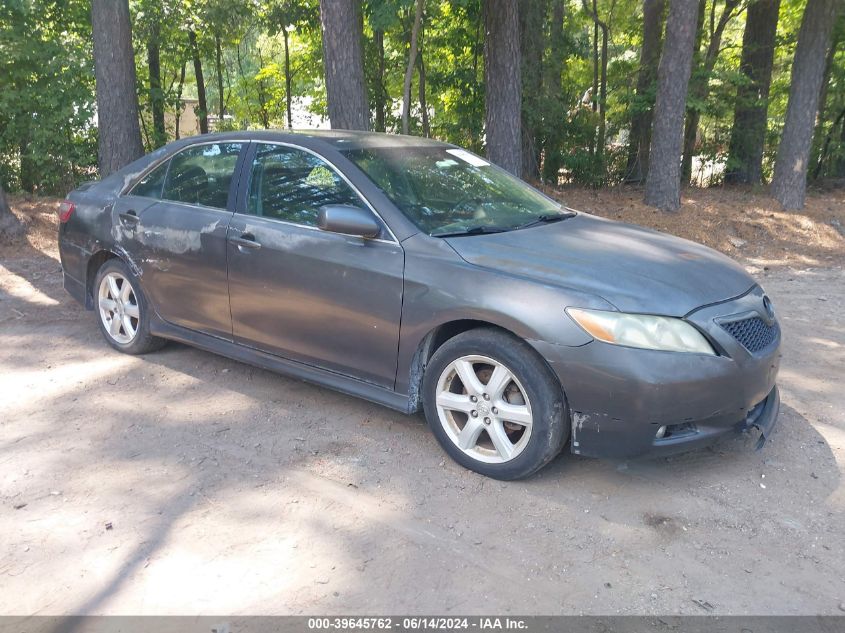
(20, 288)
(809, 384)
(20, 386)
(835, 439)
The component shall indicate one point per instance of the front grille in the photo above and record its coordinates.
(754, 334)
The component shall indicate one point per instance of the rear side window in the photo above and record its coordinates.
(202, 175)
(291, 184)
(152, 183)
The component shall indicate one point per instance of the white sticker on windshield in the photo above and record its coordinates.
(465, 156)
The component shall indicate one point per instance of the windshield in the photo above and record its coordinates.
(448, 191)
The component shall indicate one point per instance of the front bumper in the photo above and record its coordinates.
(620, 398)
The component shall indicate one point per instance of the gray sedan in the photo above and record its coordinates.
(417, 275)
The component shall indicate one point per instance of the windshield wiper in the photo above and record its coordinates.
(473, 230)
(484, 228)
(547, 219)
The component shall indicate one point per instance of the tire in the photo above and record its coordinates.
(518, 421)
(125, 322)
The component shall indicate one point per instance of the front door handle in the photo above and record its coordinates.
(129, 219)
(246, 240)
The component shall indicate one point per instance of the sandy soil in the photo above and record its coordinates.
(741, 222)
(183, 482)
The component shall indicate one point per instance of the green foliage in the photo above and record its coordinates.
(47, 135)
(270, 55)
(454, 50)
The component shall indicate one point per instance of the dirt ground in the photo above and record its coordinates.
(183, 482)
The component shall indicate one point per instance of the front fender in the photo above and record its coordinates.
(441, 288)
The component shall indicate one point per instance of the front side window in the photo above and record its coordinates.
(291, 184)
(202, 175)
(446, 190)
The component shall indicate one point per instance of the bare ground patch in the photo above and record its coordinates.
(745, 224)
(186, 482)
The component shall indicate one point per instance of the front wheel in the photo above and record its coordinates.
(122, 310)
(494, 405)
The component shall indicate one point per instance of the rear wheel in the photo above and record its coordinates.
(122, 310)
(494, 405)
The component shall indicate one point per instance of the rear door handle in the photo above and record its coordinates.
(246, 240)
(129, 219)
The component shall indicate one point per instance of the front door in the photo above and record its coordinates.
(332, 301)
(173, 226)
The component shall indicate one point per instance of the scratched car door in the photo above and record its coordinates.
(324, 299)
(173, 226)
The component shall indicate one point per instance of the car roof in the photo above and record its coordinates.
(339, 140)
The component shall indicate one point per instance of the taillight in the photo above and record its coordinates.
(66, 210)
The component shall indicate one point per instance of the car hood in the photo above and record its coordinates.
(635, 269)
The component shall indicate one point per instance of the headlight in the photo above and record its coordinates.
(641, 330)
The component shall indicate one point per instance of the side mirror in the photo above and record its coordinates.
(348, 220)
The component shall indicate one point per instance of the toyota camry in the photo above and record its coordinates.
(419, 276)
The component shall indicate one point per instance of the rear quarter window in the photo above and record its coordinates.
(202, 175)
(151, 185)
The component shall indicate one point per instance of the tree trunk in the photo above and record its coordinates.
(748, 134)
(288, 82)
(821, 147)
(640, 139)
(10, 226)
(262, 98)
(531, 15)
(839, 170)
(828, 68)
(117, 97)
(156, 95)
(600, 28)
(694, 77)
(552, 128)
(426, 124)
(602, 95)
(409, 70)
(179, 104)
(789, 184)
(146, 141)
(826, 146)
(662, 189)
(595, 94)
(5, 211)
(421, 87)
(381, 93)
(247, 100)
(221, 100)
(476, 125)
(346, 90)
(557, 43)
(502, 76)
(700, 89)
(27, 167)
(202, 108)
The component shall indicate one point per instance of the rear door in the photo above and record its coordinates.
(173, 224)
(328, 300)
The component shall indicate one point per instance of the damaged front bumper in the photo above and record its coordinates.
(669, 439)
(627, 402)
(666, 404)
(764, 417)
(622, 441)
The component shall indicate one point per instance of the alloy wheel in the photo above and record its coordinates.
(119, 309)
(484, 409)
